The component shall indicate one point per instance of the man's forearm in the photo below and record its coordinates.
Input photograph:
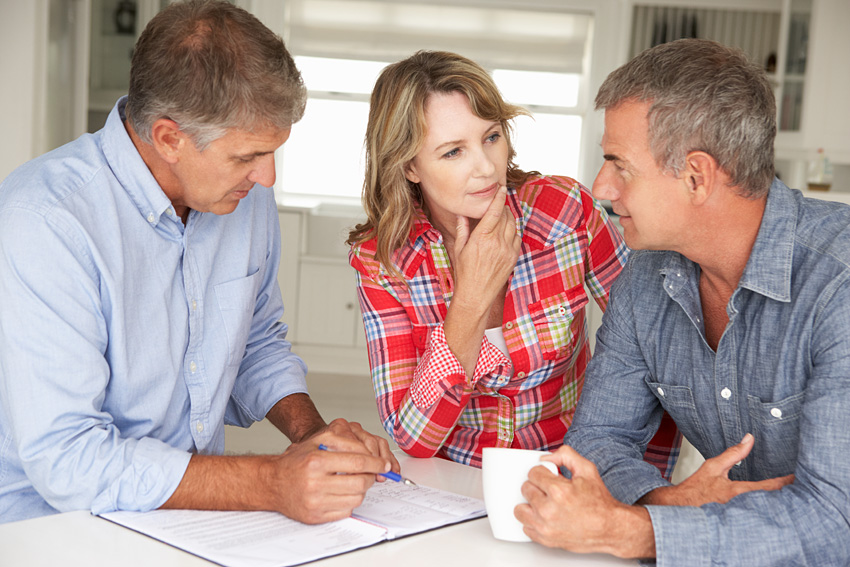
(296, 417)
(245, 482)
(226, 483)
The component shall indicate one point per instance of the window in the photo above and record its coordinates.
(537, 56)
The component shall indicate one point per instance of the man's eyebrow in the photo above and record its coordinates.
(252, 154)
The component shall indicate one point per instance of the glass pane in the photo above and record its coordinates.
(329, 139)
(534, 87)
(339, 75)
(549, 143)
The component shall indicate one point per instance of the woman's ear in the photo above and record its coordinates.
(410, 172)
(168, 140)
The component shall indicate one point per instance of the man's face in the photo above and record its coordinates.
(216, 179)
(651, 203)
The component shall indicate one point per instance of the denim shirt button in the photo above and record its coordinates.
(726, 393)
(776, 412)
(661, 392)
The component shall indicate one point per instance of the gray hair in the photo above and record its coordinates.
(704, 96)
(210, 66)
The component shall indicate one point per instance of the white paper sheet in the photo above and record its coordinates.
(269, 539)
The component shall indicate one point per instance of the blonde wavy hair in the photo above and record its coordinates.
(396, 131)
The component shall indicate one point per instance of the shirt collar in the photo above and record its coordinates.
(130, 169)
(768, 270)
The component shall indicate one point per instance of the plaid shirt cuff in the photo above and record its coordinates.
(439, 369)
(489, 360)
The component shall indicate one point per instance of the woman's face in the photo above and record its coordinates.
(462, 163)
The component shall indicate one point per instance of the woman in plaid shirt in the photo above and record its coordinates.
(473, 274)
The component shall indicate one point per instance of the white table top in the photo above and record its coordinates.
(78, 539)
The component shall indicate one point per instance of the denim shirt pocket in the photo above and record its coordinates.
(237, 300)
(553, 318)
(776, 428)
(678, 401)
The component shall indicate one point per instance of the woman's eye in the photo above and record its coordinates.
(453, 153)
(493, 137)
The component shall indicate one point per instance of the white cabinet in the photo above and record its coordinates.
(328, 311)
(826, 112)
(287, 274)
(825, 87)
(319, 293)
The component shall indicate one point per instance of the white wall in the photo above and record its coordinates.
(23, 27)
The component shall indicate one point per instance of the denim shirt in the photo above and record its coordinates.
(781, 372)
(127, 339)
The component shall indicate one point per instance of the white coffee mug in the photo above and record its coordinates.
(504, 471)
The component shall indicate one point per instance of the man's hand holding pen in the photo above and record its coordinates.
(313, 490)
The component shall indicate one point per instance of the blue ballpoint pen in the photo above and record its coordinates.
(394, 476)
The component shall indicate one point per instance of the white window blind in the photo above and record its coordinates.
(538, 56)
(497, 38)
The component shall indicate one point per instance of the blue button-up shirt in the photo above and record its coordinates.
(781, 372)
(127, 340)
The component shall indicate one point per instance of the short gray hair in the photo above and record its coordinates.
(704, 96)
(211, 66)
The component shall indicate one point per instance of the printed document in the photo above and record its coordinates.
(269, 539)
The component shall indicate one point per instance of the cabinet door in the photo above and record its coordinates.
(827, 114)
(327, 303)
(287, 274)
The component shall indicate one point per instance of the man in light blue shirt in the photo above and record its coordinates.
(733, 316)
(139, 304)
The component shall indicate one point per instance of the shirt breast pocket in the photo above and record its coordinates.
(776, 428)
(678, 401)
(236, 301)
(553, 319)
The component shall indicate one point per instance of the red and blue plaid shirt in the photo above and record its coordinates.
(425, 399)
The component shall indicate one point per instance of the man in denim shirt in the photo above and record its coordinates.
(733, 316)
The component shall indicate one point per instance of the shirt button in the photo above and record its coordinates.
(726, 393)
(509, 325)
(661, 392)
(562, 310)
(776, 412)
(520, 375)
(193, 366)
(169, 211)
(151, 218)
(199, 427)
(194, 305)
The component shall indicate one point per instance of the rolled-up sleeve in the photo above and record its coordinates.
(269, 370)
